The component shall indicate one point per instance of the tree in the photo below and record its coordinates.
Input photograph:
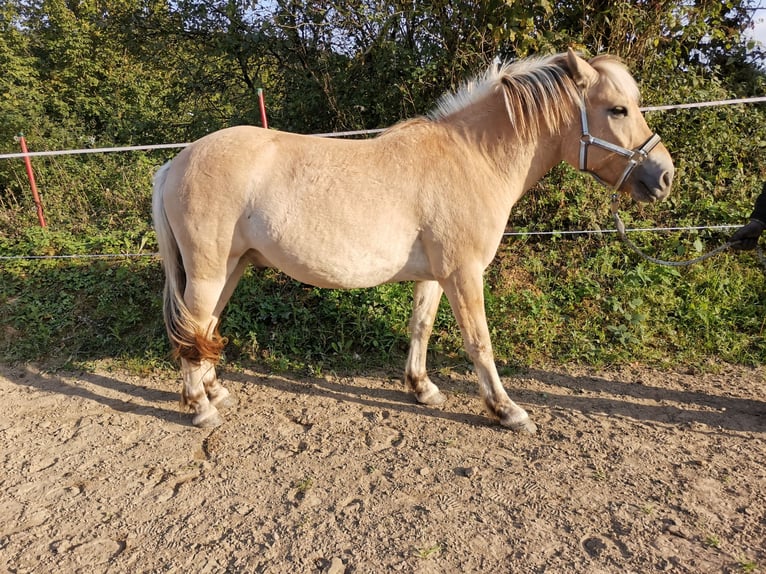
(345, 64)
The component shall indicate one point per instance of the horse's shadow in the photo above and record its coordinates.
(392, 398)
(589, 395)
(585, 394)
(105, 390)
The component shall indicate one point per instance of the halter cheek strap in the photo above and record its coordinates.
(635, 156)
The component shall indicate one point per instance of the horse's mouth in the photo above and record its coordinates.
(646, 194)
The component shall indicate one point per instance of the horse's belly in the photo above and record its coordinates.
(347, 267)
(337, 240)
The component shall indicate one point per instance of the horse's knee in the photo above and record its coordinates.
(480, 352)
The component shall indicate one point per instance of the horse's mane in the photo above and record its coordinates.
(535, 89)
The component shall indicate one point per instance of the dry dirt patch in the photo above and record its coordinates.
(632, 470)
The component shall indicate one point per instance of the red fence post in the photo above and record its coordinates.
(31, 176)
(264, 121)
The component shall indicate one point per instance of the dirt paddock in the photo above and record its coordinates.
(632, 470)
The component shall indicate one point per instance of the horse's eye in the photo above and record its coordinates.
(619, 111)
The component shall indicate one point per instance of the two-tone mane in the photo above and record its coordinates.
(536, 90)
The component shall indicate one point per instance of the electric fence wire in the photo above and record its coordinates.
(757, 99)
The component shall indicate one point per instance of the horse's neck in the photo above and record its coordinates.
(545, 152)
(521, 159)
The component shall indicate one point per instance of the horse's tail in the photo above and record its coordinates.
(187, 337)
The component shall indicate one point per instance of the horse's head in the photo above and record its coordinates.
(617, 147)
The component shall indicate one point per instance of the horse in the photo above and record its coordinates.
(425, 201)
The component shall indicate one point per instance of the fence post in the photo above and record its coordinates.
(264, 121)
(31, 175)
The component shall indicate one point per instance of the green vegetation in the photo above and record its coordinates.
(303, 486)
(103, 73)
(747, 566)
(428, 552)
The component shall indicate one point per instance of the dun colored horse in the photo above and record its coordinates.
(426, 201)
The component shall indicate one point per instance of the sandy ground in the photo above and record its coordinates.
(632, 470)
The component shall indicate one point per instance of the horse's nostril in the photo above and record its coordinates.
(667, 179)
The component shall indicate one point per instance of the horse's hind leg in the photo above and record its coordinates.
(202, 391)
(425, 305)
(464, 290)
(196, 376)
(217, 394)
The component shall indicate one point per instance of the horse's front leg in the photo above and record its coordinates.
(425, 305)
(464, 290)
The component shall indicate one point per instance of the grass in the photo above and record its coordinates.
(428, 552)
(303, 486)
(712, 541)
(648, 509)
(599, 473)
(549, 299)
(81, 310)
(747, 566)
(582, 301)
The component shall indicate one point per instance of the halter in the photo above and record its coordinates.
(635, 156)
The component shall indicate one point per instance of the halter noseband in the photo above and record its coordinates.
(635, 156)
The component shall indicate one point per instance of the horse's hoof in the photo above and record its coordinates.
(524, 425)
(208, 420)
(224, 400)
(433, 398)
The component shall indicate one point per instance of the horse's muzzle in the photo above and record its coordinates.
(651, 181)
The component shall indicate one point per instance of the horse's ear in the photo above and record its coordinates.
(583, 74)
